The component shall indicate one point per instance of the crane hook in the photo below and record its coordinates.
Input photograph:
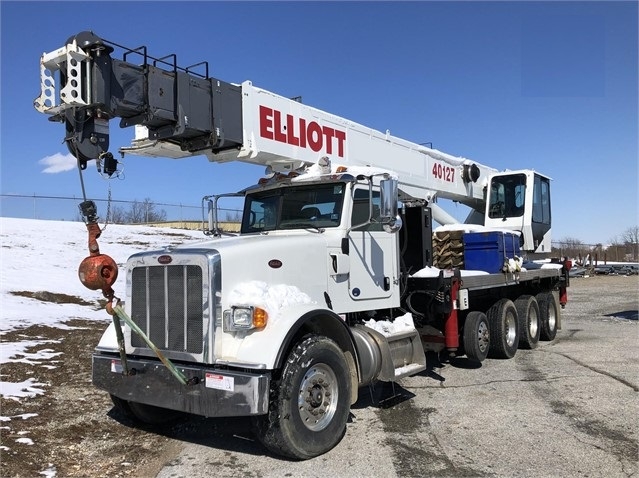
(98, 271)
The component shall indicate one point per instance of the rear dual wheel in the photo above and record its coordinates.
(549, 315)
(504, 329)
(529, 321)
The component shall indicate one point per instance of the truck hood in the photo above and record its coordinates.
(276, 259)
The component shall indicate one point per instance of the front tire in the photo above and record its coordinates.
(309, 403)
(504, 329)
(529, 323)
(476, 336)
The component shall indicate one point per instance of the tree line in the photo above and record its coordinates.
(623, 247)
(147, 211)
(139, 212)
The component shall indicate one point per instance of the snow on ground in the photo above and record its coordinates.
(40, 259)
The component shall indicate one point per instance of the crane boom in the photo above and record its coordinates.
(185, 113)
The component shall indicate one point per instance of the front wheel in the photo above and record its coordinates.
(309, 404)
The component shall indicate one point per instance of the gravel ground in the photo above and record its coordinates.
(78, 433)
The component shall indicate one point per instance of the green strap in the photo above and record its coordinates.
(176, 373)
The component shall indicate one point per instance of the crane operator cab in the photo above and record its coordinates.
(520, 201)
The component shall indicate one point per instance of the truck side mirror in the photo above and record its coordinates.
(212, 227)
(388, 205)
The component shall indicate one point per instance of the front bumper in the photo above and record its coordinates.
(218, 393)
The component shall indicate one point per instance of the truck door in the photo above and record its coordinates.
(372, 251)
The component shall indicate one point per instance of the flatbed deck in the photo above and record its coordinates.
(477, 282)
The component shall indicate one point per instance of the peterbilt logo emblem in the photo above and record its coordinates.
(275, 263)
(165, 259)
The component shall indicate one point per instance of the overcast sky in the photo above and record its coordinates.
(550, 86)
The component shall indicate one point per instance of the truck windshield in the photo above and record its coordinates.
(294, 207)
(507, 194)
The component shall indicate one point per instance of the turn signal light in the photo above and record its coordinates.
(260, 317)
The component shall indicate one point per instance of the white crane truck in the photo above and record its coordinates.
(336, 279)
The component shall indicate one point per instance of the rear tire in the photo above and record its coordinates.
(504, 329)
(529, 322)
(476, 336)
(310, 403)
(549, 314)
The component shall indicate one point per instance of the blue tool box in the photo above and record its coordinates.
(487, 251)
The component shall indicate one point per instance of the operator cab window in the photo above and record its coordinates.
(507, 196)
(541, 200)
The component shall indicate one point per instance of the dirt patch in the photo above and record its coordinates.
(56, 298)
(72, 426)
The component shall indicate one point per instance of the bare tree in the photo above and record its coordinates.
(616, 251)
(153, 214)
(138, 213)
(630, 238)
(571, 247)
(118, 215)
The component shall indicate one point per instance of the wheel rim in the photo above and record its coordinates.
(483, 336)
(318, 397)
(552, 319)
(533, 324)
(511, 329)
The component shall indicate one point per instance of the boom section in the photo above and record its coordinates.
(189, 111)
(284, 133)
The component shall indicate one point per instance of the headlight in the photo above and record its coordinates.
(245, 318)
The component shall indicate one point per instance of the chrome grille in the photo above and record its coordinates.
(166, 303)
